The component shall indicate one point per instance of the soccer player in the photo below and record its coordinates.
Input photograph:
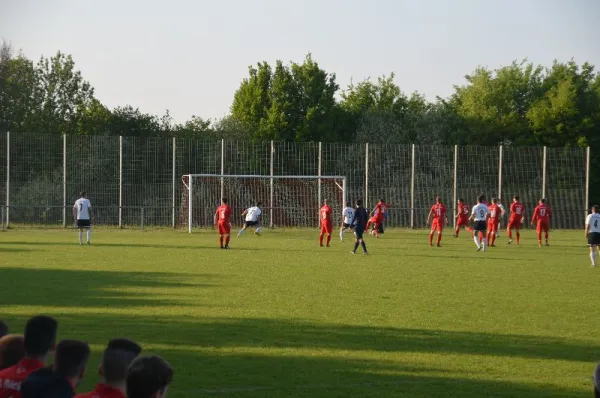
(347, 215)
(480, 215)
(592, 232)
(12, 350)
(326, 223)
(517, 215)
(543, 215)
(503, 212)
(149, 377)
(360, 222)
(3, 328)
(438, 211)
(82, 213)
(117, 357)
(379, 214)
(462, 217)
(40, 336)
(493, 222)
(252, 219)
(222, 223)
(70, 362)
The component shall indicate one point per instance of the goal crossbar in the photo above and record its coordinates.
(190, 185)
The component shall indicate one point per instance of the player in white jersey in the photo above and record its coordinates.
(347, 216)
(480, 215)
(252, 219)
(592, 232)
(82, 215)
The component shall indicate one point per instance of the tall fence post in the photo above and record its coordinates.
(64, 181)
(7, 179)
(544, 173)
(500, 173)
(142, 218)
(455, 176)
(366, 175)
(2, 218)
(173, 181)
(271, 185)
(587, 181)
(319, 194)
(190, 202)
(120, 181)
(412, 187)
(222, 168)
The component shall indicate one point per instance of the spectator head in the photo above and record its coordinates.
(494, 200)
(3, 329)
(348, 204)
(438, 199)
(117, 357)
(258, 204)
(12, 350)
(480, 198)
(461, 201)
(595, 209)
(359, 202)
(82, 194)
(224, 200)
(40, 336)
(71, 360)
(149, 377)
(542, 201)
(381, 201)
(516, 198)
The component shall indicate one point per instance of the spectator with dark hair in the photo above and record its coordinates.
(40, 337)
(61, 380)
(149, 377)
(12, 350)
(117, 357)
(3, 328)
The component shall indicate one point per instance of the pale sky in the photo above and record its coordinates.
(190, 56)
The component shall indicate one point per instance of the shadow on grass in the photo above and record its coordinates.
(14, 249)
(236, 357)
(86, 288)
(145, 245)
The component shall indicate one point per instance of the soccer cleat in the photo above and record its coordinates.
(227, 247)
(547, 244)
(327, 246)
(438, 245)
(366, 253)
(509, 241)
(492, 245)
(478, 248)
(353, 252)
(89, 243)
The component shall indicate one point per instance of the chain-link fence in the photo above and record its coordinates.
(134, 181)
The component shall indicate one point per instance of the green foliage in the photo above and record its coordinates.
(279, 316)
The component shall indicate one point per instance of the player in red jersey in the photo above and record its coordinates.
(438, 211)
(517, 215)
(462, 217)
(494, 221)
(543, 215)
(40, 337)
(378, 216)
(326, 223)
(222, 216)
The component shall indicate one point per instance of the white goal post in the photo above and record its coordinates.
(288, 201)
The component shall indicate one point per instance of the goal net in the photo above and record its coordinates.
(287, 201)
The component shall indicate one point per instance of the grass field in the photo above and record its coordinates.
(279, 316)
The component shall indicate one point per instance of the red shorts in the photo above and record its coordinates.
(493, 225)
(437, 224)
(373, 220)
(542, 226)
(463, 221)
(515, 223)
(224, 227)
(326, 227)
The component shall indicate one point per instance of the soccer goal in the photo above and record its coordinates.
(287, 201)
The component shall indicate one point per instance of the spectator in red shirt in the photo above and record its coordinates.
(12, 350)
(40, 338)
(117, 357)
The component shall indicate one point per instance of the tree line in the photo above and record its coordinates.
(520, 104)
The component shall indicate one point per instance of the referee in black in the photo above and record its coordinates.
(360, 221)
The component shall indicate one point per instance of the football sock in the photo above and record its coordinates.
(364, 246)
(89, 235)
(227, 240)
(259, 230)
(241, 232)
(509, 232)
(431, 238)
(593, 256)
(476, 240)
(342, 234)
(456, 232)
(439, 239)
(321, 239)
(328, 239)
(518, 237)
(484, 243)
(80, 237)
(539, 235)
(493, 238)
(488, 236)
(469, 229)
(546, 236)
(355, 246)
(221, 240)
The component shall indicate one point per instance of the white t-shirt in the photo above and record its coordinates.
(253, 213)
(480, 211)
(348, 215)
(593, 221)
(82, 206)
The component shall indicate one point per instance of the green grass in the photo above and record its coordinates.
(279, 316)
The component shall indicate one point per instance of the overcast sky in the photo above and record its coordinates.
(190, 56)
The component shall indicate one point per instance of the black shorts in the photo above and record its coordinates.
(593, 239)
(346, 225)
(358, 231)
(251, 223)
(480, 226)
(83, 223)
